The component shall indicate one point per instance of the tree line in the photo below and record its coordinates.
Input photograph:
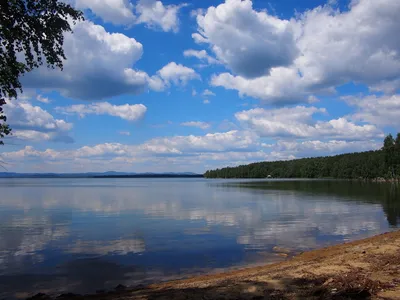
(383, 163)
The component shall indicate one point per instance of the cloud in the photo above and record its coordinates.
(211, 142)
(334, 47)
(34, 123)
(298, 122)
(208, 93)
(43, 99)
(37, 136)
(200, 54)
(24, 115)
(201, 125)
(173, 73)
(382, 111)
(190, 145)
(118, 12)
(184, 153)
(127, 112)
(206, 101)
(99, 65)
(227, 125)
(152, 13)
(27, 94)
(360, 49)
(195, 12)
(315, 147)
(235, 158)
(198, 38)
(312, 99)
(282, 86)
(248, 42)
(199, 152)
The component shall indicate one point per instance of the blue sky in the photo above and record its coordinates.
(188, 86)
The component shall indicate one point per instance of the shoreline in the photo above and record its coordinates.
(362, 269)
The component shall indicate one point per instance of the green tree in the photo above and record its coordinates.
(4, 128)
(397, 155)
(31, 33)
(389, 149)
(388, 142)
(397, 141)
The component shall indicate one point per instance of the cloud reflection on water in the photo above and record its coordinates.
(166, 226)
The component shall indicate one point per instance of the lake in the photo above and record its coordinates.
(83, 235)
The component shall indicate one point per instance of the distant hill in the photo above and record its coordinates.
(153, 175)
(108, 174)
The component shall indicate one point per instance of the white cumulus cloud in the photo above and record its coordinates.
(249, 42)
(99, 65)
(200, 54)
(282, 86)
(156, 14)
(152, 13)
(330, 48)
(43, 99)
(211, 142)
(298, 122)
(31, 122)
(113, 11)
(383, 110)
(128, 112)
(320, 148)
(207, 92)
(165, 151)
(172, 73)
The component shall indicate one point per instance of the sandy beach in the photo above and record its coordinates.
(364, 269)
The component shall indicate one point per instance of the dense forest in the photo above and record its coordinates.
(383, 163)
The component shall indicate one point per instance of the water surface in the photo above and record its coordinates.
(83, 235)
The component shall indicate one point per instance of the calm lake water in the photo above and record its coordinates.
(83, 235)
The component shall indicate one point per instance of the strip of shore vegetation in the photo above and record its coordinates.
(364, 269)
(379, 165)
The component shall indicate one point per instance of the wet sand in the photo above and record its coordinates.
(364, 269)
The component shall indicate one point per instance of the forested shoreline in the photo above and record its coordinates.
(383, 163)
